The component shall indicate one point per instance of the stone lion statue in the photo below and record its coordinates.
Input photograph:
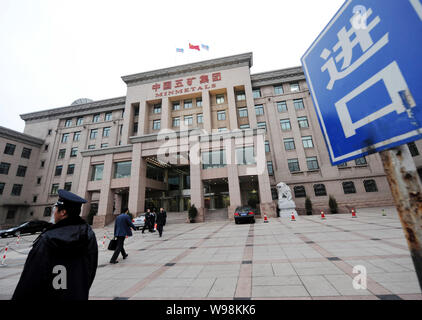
(284, 192)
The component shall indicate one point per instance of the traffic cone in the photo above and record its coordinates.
(293, 217)
(155, 227)
(322, 215)
(354, 213)
(18, 239)
(4, 256)
(383, 213)
(104, 239)
(265, 218)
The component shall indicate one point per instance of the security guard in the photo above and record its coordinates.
(63, 260)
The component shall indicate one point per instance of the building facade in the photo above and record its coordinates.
(209, 133)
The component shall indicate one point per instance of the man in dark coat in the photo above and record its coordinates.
(63, 260)
(165, 215)
(147, 221)
(153, 216)
(160, 221)
(122, 227)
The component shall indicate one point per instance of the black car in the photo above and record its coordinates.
(27, 227)
(244, 214)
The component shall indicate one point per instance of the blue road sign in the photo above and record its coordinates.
(364, 72)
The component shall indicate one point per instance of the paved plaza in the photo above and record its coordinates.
(306, 259)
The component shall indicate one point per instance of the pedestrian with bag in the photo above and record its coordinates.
(63, 260)
(160, 221)
(153, 218)
(122, 227)
(147, 221)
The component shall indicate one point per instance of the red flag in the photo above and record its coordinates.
(191, 46)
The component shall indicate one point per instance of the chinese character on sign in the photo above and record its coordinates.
(167, 85)
(216, 76)
(190, 81)
(345, 48)
(179, 83)
(156, 87)
(204, 79)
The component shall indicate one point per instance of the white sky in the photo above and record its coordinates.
(53, 52)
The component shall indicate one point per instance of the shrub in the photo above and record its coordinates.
(333, 205)
(308, 206)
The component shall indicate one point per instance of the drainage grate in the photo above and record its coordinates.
(247, 262)
(389, 297)
(120, 298)
(333, 258)
(171, 264)
(193, 247)
(309, 242)
(375, 239)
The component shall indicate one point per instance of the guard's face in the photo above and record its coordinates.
(58, 215)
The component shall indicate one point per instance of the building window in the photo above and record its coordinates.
(17, 189)
(219, 98)
(65, 138)
(58, 171)
(413, 149)
(221, 115)
(360, 161)
(46, 146)
(243, 112)
(108, 116)
(262, 125)
(214, 159)
(370, 186)
(97, 172)
(274, 193)
(122, 169)
(187, 104)
(39, 180)
(300, 192)
(94, 134)
(312, 163)
(222, 129)
(303, 122)
(289, 144)
(188, 120)
(2, 185)
(199, 102)
(245, 156)
(47, 212)
(270, 168)
(156, 108)
(267, 146)
(96, 118)
(74, 152)
(21, 171)
(42, 163)
(285, 125)
(68, 123)
(278, 89)
(256, 93)
(77, 136)
(70, 169)
(282, 106)
(54, 189)
(176, 122)
(49, 132)
(199, 118)
(349, 187)
(67, 186)
(104, 145)
(106, 132)
(294, 87)
(307, 142)
(91, 147)
(80, 121)
(26, 153)
(156, 125)
(176, 105)
(244, 126)
(298, 103)
(240, 96)
(4, 168)
(293, 165)
(342, 165)
(10, 214)
(320, 190)
(259, 110)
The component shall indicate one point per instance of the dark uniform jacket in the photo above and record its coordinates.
(70, 243)
(160, 218)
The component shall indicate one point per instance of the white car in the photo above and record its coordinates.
(139, 222)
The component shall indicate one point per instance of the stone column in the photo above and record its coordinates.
(165, 113)
(233, 179)
(251, 105)
(83, 185)
(197, 190)
(206, 111)
(232, 108)
(117, 204)
(137, 181)
(265, 196)
(105, 207)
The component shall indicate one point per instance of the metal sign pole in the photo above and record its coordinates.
(407, 193)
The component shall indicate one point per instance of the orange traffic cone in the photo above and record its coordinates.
(354, 213)
(265, 218)
(322, 215)
(293, 217)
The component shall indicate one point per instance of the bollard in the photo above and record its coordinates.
(4, 256)
(19, 237)
(104, 239)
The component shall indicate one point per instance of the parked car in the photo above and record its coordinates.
(27, 227)
(139, 222)
(244, 214)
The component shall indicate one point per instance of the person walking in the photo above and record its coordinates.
(160, 221)
(153, 218)
(147, 221)
(63, 260)
(165, 215)
(121, 230)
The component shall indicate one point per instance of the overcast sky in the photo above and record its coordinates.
(53, 52)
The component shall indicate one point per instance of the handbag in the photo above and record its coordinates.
(112, 245)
